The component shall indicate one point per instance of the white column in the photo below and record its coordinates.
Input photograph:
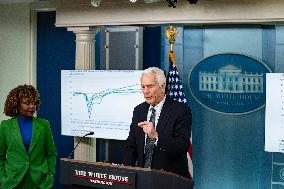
(85, 51)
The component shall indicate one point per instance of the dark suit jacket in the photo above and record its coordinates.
(15, 162)
(174, 130)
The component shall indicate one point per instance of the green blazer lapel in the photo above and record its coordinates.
(16, 133)
(35, 134)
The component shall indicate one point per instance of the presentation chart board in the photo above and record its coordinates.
(99, 101)
(274, 113)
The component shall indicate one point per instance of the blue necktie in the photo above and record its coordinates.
(149, 146)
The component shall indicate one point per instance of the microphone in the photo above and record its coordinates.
(80, 140)
(89, 133)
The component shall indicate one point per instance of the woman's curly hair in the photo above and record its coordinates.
(16, 96)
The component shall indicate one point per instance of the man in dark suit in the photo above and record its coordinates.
(166, 128)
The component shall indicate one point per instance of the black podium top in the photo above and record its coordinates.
(102, 175)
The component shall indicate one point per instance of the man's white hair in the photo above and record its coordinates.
(159, 74)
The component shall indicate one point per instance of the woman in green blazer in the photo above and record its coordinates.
(27, 150)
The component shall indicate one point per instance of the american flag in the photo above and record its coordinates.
(176, 92)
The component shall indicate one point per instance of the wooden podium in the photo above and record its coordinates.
(75, 174)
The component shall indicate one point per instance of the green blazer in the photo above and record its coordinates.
(15, 162)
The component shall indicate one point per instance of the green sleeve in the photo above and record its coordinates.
(51, 153)
(2, 152)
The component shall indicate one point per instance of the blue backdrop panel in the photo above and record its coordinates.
(228, 150)
(55, 52)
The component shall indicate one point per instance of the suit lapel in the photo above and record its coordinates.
(142, 117)
(17, 134)
(35, 134)
(164, 116)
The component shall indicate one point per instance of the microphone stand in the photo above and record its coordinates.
(90, 133)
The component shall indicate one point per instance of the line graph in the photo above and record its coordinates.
(97, 98)
(101, 101)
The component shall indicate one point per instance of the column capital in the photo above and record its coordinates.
(83, 29)
(85, 40)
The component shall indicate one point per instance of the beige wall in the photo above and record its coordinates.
(16, 56)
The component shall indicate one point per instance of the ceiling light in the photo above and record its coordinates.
(133, 1)
(96, 3)
(172, 3)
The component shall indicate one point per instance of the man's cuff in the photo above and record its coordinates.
(156, 141)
